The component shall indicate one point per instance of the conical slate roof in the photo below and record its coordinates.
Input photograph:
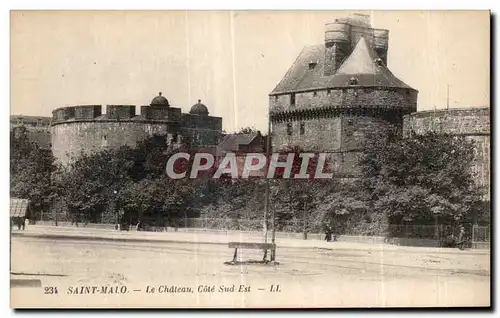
(363, 64)
(367, 68)
(361, 60)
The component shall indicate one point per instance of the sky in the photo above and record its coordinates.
(231, 60)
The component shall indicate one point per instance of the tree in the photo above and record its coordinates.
(421, 179)
(303, 204)
(94, 183)
(31, 168)
(246, 130)
(341, 205)
(132, 180)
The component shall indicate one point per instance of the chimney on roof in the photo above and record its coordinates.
(365, 18)
(337, 45)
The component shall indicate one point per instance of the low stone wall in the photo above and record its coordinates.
(402, 241)
(310, 236)
(82, 225)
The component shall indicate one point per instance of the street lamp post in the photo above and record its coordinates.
(273, 238)
(304, 209)
(267, 196)
(117, 226)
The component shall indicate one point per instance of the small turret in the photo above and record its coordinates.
(199, 109)
(381, 43)
(160, 101)
(337, 46)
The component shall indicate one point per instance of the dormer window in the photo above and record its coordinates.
(353, 81)
(312, 65)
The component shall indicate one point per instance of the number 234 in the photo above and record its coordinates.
(50, 290)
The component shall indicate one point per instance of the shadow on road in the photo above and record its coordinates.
(25, 283)
(39, 274)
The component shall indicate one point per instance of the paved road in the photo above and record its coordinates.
(332, 275)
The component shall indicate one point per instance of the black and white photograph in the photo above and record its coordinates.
(250, 159)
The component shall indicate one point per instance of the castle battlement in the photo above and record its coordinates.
(85, 129)
(93, 113)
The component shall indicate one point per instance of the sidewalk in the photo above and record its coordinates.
(222, 238)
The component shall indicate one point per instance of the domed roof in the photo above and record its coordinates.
(159, 101)
(199, 109)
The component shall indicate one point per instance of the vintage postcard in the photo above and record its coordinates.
(250, 159)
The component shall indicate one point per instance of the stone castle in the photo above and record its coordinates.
(332, 95)
(337, 91)
(84, 129)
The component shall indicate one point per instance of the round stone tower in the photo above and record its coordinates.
(337, 92)
(84, 129)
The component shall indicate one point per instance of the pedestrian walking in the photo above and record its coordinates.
(328, 232)
(461, 233)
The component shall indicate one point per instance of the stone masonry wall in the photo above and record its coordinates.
(343, 136)
(77, 129)
(70, 139)
(202, 129)
(320, 134)
(346, 98)
(452, 121)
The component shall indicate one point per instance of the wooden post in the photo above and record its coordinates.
(304, 215)
(55, 210)
(472, 235)
(436, 230)
(304, 226)
(267, 197)
(273, 238)
(266, 210)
